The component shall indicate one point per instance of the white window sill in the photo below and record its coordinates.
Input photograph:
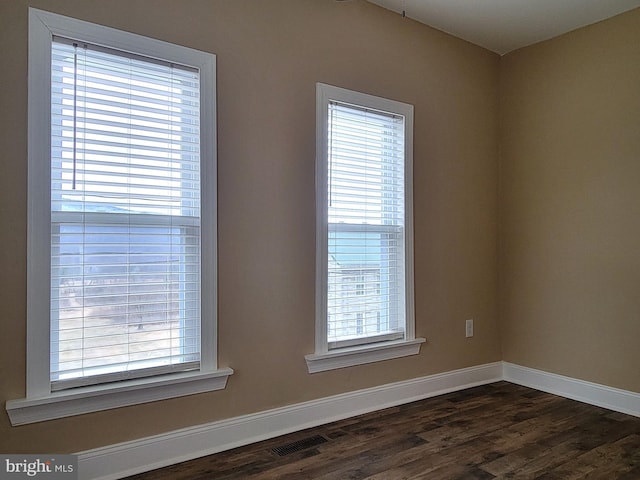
(350, 356)
(121, 394)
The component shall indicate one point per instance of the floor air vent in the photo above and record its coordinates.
(308, 442)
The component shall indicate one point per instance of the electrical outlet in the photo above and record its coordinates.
(469, 328)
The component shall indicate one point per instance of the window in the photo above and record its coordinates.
(122, 219)
(364, 253)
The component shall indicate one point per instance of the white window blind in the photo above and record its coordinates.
(366, 234)
(125, 216)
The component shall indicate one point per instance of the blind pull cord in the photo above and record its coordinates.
(330, 153)
(75, 110)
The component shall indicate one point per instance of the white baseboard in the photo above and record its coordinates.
(124, 459)
(592, 393)
(129, 458)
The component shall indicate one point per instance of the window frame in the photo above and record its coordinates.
(326, 358)
(40, 402)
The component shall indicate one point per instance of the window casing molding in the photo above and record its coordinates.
(41, 403)
(331, 355)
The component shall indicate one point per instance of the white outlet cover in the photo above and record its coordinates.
(469, 328)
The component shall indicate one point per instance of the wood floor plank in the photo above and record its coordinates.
(497, 431)
(609, 460)
(536, 438)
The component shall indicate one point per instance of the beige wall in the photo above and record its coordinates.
(270, 55)
(570, 204)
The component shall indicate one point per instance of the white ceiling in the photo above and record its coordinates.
(505, 25)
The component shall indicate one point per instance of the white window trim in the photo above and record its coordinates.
(40, 403)
(76, 401)
(324, 359)
(370, 353)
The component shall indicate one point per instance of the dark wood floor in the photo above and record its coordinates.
(495, 431)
